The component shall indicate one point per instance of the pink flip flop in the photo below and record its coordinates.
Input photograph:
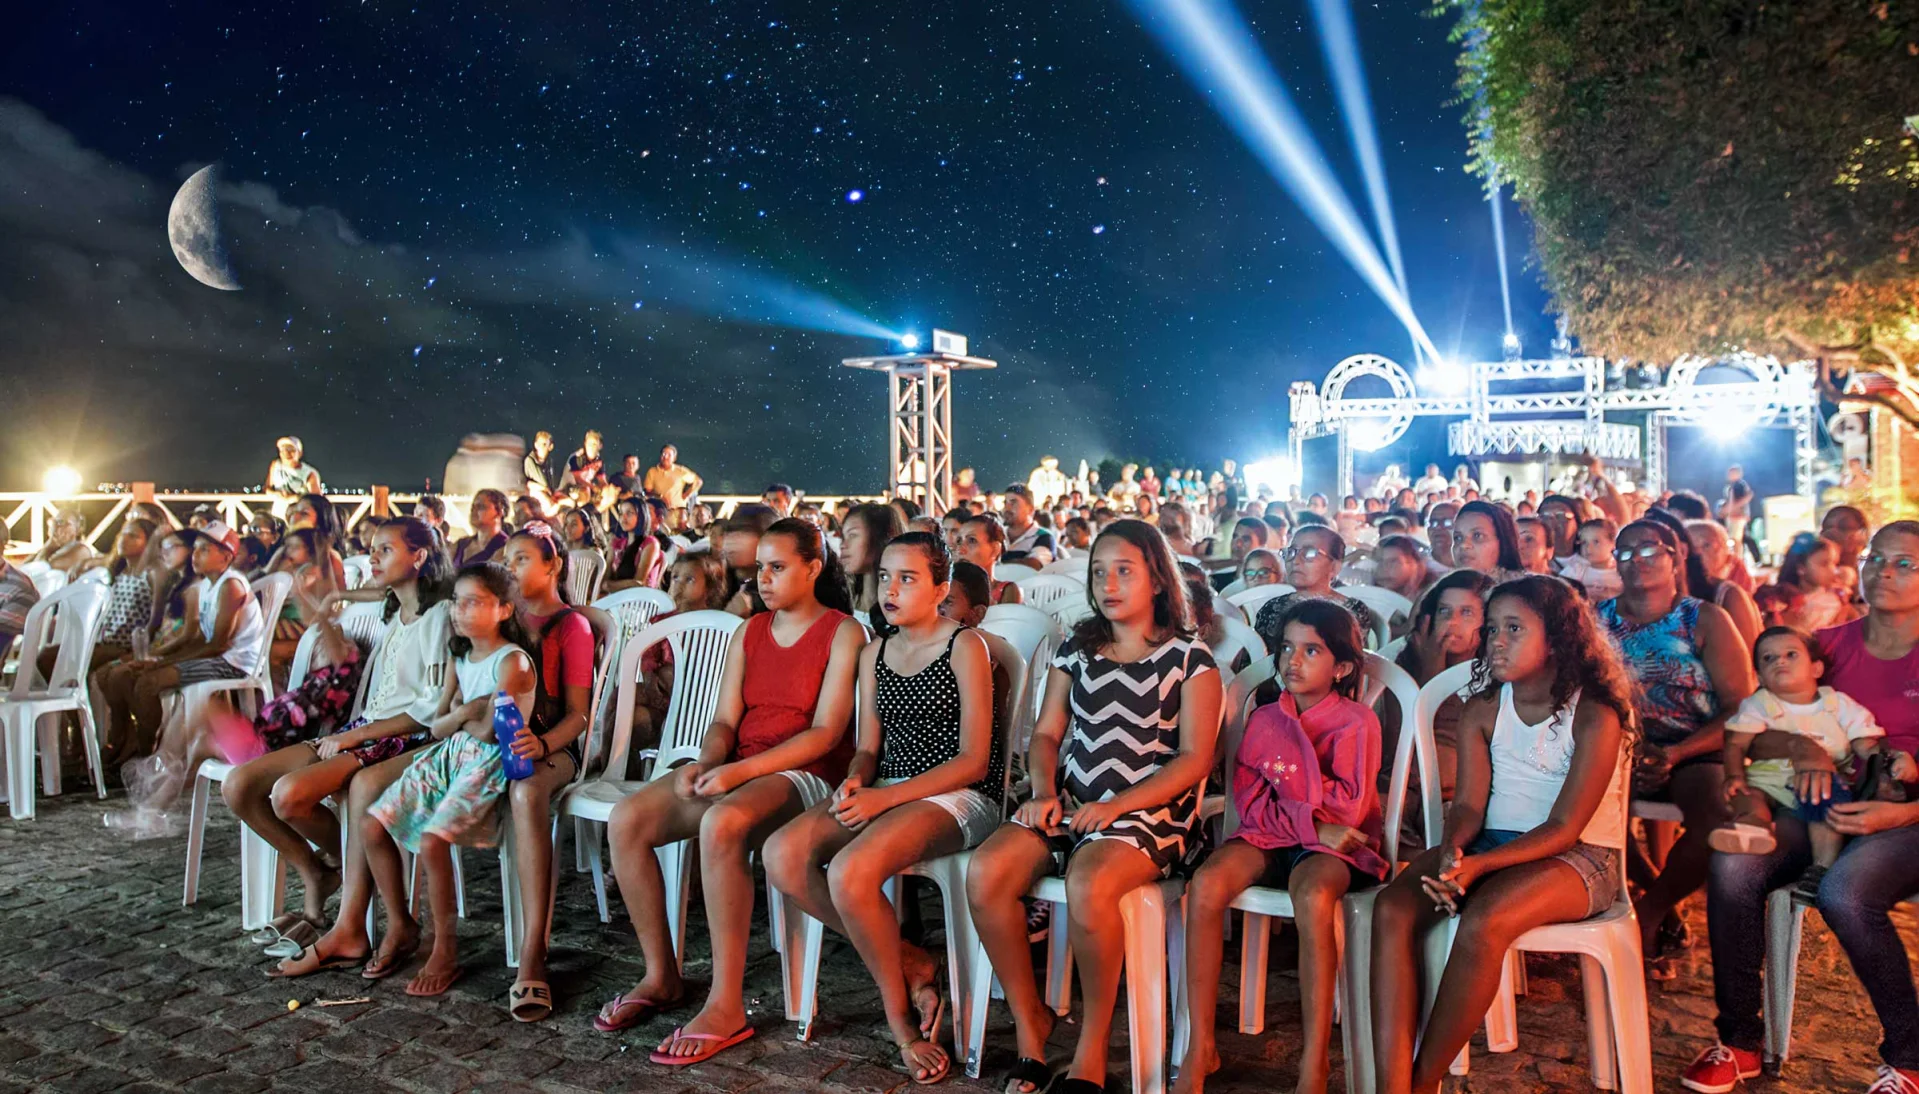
(714, 1045)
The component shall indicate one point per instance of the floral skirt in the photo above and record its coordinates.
(451, 792)
(319, 704)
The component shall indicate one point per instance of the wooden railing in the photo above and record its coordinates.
(29, 514)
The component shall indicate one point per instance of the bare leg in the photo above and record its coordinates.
(902, 836)
(1226, 874)
(1826, 842)
(1317, 885)
(1000, 872)
(443, 964)
(797, 856)
(1100, 874)
(1402, 915)
(147, 690)
(349, 931)
(734, 826)
(1500, 909)
(294, 779)
(531, 800)
(390, 879)
(651, 817)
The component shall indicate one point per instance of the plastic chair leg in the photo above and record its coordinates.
(20, 745)
(1626, 990)
(1503, 1024)
(1256, 933)
(1784, 922)
(777, 919)
(675, 872)
(90, 736)
(597, 864)
(459, 883)
(1600, 1031)
(793, 952)
(1144, 914)
(1177, 970)
(263, 880)
(196, 837)
(513, 920)
(950, 875)
(1059, 991)
(583, 830)
(807, 946)
(984, 983)
(47, 728)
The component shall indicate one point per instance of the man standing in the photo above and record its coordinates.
(538, 468)
(628, 477)
(1736, 505)
(1433, 482)
(585, 467)
(1028, 544)
(1047, 481)
(17, 597)
(779, 498)
(671, 482)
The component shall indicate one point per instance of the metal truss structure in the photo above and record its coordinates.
(920, 422)
(1561, 409)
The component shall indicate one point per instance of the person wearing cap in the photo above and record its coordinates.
(226, 645)
(17, 597)
(1028, 544)
(288, 477)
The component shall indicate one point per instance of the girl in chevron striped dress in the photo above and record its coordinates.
(1135, 698)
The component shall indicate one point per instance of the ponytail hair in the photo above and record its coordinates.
(545, 540)
(433, 581)
(830, 588)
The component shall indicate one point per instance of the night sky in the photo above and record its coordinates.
(503, 217)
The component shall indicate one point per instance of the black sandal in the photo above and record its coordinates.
(1034, 1073)
(1806, 891)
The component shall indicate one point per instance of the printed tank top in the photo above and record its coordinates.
(1676, 692)
(920, 721)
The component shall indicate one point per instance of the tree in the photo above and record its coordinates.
(1710, 174)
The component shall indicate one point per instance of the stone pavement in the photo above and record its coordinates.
(107, 983)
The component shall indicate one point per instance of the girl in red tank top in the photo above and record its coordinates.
(777, 744)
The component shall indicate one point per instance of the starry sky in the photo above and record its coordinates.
(501, 217)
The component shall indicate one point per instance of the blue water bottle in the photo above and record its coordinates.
(507, 724)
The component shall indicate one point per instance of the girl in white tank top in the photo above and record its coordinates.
(1535, 832)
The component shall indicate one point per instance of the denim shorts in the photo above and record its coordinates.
(1598, 867)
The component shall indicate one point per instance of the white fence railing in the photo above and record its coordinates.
(29, 514)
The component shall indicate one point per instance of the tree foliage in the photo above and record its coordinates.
(1707, 173)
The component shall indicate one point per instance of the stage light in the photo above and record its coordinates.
(61, 481)
(909, 341)
(1730, 426)
(1273, 471)
(1445, 376)
(1511, 341)
(1219, 55)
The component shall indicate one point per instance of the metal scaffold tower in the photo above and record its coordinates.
(920, 417)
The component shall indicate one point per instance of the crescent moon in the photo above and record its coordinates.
(193, 228)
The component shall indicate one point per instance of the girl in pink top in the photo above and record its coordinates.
(1308, 822)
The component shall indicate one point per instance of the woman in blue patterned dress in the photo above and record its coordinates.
(1693, 670)
(1141, 698)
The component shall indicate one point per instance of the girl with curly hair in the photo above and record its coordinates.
(1535, 832)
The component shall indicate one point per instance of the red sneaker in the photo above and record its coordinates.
(1895, 1080)
(1719, 1069)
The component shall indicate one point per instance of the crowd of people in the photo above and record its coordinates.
(1624, 646)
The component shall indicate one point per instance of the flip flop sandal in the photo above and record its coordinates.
(1741, 839)
(452, 979)
(939, 1014)
(1034, 1073)
(624, 1013)
(375, 969)
(310, 962)
(298, 936)
(530, 1001)
(712, 1044)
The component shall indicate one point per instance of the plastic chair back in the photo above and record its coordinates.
(270, 594)
(1034, 636)
(1075, 567)
(1240, 636)
(585, 568)
(358, 570)
(69, 617)
(1416, 746)
(362, 622)
(1249, 602)
(1050, 591)
(97, 573)
(1008, 571)
(699, 642)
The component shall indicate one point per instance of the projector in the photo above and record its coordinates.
(949, 343)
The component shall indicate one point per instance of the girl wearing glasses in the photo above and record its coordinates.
(1693, 668)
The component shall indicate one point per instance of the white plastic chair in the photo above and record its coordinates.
(1035, 636)
(96, 573)
(46, 580)
(699, 643)
(1075, 567)
(69, 616)
(1249, 602)
(1049, 591)
(1385, 604)
(1240, 636)
(263, 877)
(1009, 571)
(358, 570)
(1415, 747)
(1262, 905)
(585, 569)
(1613, 979)
(632, 610)
(189, 703)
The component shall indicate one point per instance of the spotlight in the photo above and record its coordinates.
(61, 481)
(1510, 346)
(1730, 426)
(1444, 375)
(910, 341)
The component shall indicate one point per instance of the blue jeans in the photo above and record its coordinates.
(1873, 874)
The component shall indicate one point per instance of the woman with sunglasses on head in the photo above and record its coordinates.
(1313, 561)
(1693, 669)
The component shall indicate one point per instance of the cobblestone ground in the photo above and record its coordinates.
(107, 983)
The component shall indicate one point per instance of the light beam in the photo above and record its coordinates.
(1218, 53)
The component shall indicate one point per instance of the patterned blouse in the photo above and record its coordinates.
(129, 606)
(1676, 691)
